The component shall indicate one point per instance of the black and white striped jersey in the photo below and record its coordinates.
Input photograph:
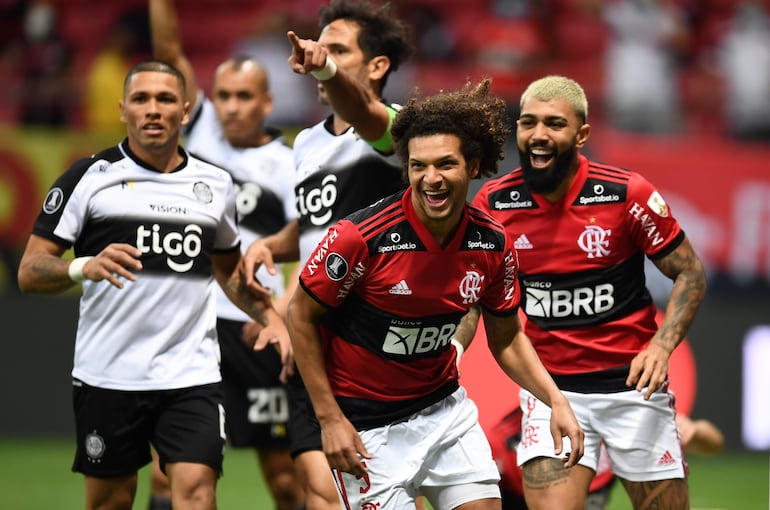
(337, 175)
(264, 188)
(159, 331)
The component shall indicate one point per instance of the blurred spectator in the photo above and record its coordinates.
(509, 45)
(43, 95)
(294, 102)
(743, 60)
(648, 37)
(127, 44)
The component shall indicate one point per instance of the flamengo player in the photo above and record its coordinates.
(371, 325)
(582, 230)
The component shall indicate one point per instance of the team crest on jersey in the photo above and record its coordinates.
(202, 192)
(336, 267)
(593, 240)
(657, 204)
(470, 287)
(95, 446)
(53, 200)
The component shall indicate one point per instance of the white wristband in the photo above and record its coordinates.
(75, 269)
(459, 347)
(329, 70)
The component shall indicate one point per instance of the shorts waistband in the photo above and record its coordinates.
(612, 380)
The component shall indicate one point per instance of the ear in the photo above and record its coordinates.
(185, 113)
(474, 167)
(378, 66)
(122, 108)
(267, 104)
(582, 135)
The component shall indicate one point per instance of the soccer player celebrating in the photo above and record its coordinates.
(582, 230)
(371, 323)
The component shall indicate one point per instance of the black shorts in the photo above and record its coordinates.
(255, 399)
(114, 428)
(304, 430)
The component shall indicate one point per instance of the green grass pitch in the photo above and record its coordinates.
(35, 475)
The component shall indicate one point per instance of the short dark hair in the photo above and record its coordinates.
(381, 32)
(158, 67)
(472, 114)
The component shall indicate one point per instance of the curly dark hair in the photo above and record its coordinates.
(472, 114)
(381, 32)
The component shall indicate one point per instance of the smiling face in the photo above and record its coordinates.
(549, 135)
(242, 102)
(153, 110)
(439, 177)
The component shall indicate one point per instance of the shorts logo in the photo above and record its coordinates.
(666, 459)
(53, 201)
(529, 436)
(95, 446)
(336, 267)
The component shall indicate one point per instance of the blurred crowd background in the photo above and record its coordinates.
(652, 66)
(679, 90)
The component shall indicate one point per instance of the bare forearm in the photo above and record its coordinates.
(245, 299)
(44, 274)
(284, 244)
(466, 330)
(689, 289)
(165, 32)
(310, 361)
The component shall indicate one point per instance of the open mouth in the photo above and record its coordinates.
(541, 157)
(436, 198)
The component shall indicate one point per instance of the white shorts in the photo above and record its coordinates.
(640, 435)
(440, 452)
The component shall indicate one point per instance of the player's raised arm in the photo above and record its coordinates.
(166, 37)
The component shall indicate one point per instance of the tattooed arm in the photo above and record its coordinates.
(42, 270)
(226, 273)
(650, 367)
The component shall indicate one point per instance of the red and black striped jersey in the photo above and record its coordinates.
(395, 298)
(582, 262)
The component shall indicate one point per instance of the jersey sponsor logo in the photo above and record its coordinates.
(202, 192)
(509, 280)
(575, 302)
(321, 250)
(593, 241)
(397, 245)
(401, 289)
(648, 225)
(186, 244)
(410, 340)
(657, 204)
(355, 274)
(169, 209)
(53, 200)
(247, 197)
(516, 202)
(316, 203)
(336, 267)
(481, 245)
(522, 243)
(598, 196)
(470, 287)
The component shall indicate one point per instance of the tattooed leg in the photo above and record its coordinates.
(670, 494)
(547, 484)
